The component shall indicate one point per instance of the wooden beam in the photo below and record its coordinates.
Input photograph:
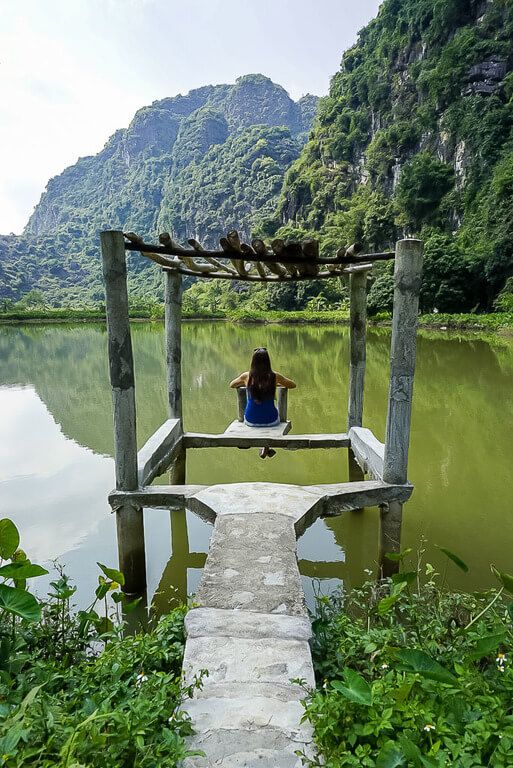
(368, 451)
(288, 442)
(173, 326)
(155, 456)
(258, 279)
(129, 518)
(357, 347)
(407, 278)
(173, 337)
(264, 257)
(121, 363)
(282, 402)
(242, 399)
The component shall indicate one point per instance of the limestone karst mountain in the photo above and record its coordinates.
(192, 164)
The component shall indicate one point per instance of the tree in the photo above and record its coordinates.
(423, 183)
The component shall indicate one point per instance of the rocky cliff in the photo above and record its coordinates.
(415, 137)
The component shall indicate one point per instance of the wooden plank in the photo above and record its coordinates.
(242, 400)
(172, 496)
(282, 401)
(368, 451)
(154, 457)
(256, 439)
(357, 346)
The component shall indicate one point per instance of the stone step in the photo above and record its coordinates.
(217, 622)
(246, 660)
(267, 748)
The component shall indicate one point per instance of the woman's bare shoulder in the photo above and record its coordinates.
(241, 380)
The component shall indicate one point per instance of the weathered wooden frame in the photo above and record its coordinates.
(165, 450)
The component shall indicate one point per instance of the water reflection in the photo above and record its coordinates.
(56, 445)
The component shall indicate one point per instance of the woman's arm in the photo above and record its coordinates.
(282, 381)
(240, 381)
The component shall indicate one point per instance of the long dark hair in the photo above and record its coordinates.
(262, 378)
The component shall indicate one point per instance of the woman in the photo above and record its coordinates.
(261, 382)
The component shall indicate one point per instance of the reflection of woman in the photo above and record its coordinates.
(261, 382)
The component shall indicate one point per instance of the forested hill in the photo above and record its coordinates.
(416, 137)
(195, 165)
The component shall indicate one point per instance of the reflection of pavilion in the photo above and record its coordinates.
(172, 589)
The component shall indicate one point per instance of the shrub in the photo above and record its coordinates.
(414, 675)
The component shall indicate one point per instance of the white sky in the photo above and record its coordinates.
(73, 71)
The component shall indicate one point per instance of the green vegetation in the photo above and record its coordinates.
(412, 674)
(73, 690)
(194, 164)
(416, 137)
(19, 313)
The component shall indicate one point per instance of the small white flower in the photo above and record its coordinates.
(141, 678)
(501, 658)
(384, 666)
(429, 727)
(501, 669)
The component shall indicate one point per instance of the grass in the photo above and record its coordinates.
(486, 322)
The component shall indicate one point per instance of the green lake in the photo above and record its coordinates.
(56, 446)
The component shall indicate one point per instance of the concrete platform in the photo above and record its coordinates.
(239, 429)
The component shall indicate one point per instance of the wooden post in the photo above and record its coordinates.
(129, 519)
(357, 360)
(242, 399)
(358, 339)
(173, 325)
(173, 320)
(282, 403)
(407, 278)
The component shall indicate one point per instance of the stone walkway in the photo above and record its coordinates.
(251, 630)
(251, 627)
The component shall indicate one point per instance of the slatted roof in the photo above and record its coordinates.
(281, 261)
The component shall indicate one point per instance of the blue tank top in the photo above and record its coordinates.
(264, 412)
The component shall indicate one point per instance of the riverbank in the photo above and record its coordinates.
(492, 322)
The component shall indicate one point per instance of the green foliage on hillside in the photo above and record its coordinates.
(188, 163)
(224, 188)
(416, 137)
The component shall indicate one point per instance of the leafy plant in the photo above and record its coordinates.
(73, 690)
(411, 674)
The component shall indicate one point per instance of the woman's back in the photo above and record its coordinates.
(261, 382)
